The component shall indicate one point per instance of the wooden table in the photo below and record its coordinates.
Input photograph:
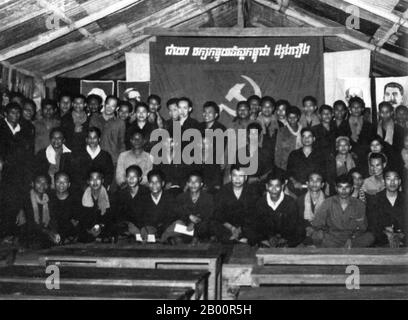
(333, 256)
(207, 257)
(26, 291)
(237, 270)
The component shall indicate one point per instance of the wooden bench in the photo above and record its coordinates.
(195, 279)
(333, 256)
(323, 293)
(18, 290)
(317, 273)
(204, 257)
(335, 274)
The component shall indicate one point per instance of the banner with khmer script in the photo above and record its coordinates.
(227, 70)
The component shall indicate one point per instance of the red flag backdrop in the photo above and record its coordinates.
(227, 70)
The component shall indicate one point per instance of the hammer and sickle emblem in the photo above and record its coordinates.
(235, 93)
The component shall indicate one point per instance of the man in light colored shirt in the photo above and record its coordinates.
(135, 156)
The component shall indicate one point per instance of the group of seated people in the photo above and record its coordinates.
(82, 170)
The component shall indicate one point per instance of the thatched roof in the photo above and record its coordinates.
(93, 35)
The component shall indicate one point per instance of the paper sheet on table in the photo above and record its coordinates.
(151, 238)
(183, 229)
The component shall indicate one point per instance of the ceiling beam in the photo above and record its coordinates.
(375, 10)
(314, 22)
(246, 32)
(22, 71)
(159, 18)
(25, 16)
(393, 30)
(44, 38)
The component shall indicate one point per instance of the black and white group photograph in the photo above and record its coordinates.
(201, 150)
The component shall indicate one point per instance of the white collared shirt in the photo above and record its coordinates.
(13, 130)
(274, 205)
(392, 199)
(182, 121)
(93, 154)
(156, 200)
(237, 193)
(50, 153)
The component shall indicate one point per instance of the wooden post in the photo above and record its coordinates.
(240, 11)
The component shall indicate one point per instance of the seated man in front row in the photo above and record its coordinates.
(278, 220)
(128, 204)
(158, 208)
(341, 220)
(387, 214)
(194, 209)
(234, 214)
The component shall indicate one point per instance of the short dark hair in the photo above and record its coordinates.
(254, 97)
(307, 130)
(268, 99)
(237, 167)
(385, 104)
(357, 100)
(325, 107)
(394, 85)
(401, 108)
(188, 100)
(64, 94)
(41, 175)
(317, 173)
(141, 105)
(48, 102)
(212, 104)
(378, 138)
(386, 171)
(94, 96)
(283, 102)
(30, 102)
(125, 103)
(156, 173)
(111, 96)
(343, 179)
(275, 176)
(136, 169)
(172, 101)
(379, 156)
(12, 106)
(96, 130)
(80, 96)
(196, 173)
(56, 129)
(95, 170)
(155, 97)
(309, 98)
(340, 103)
(61, 173)
(293, 110)
(243, 103)
(137, 131)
